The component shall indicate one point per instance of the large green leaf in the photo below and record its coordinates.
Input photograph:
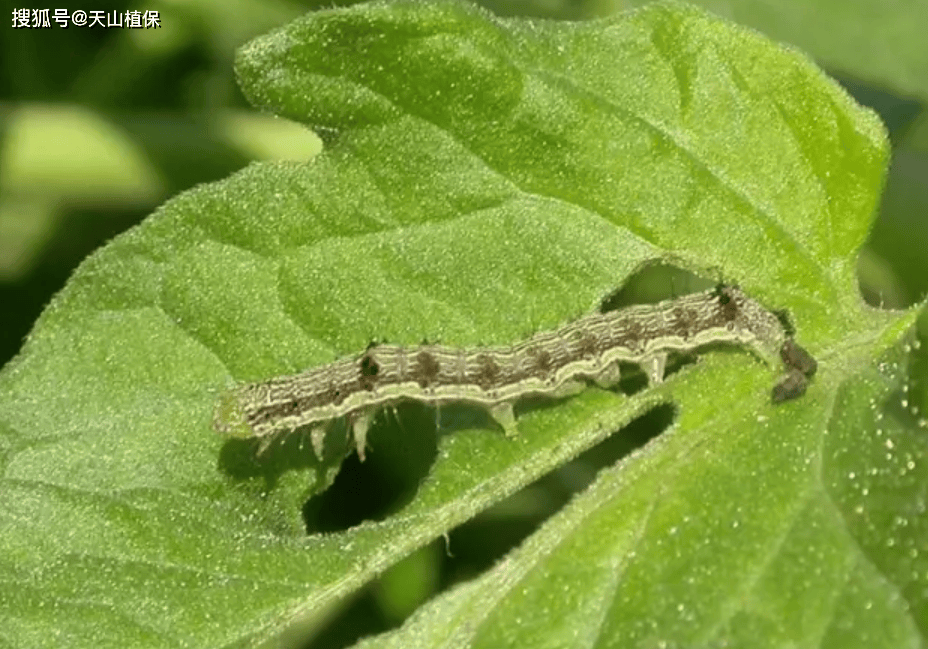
(482, 179)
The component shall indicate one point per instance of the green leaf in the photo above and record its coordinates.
(482, 179)
(838, 34)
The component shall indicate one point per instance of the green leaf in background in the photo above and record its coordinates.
(879, 43)
(482, 179)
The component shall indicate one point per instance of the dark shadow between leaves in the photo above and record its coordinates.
(401, 449)
(481, 542)
(248, 459)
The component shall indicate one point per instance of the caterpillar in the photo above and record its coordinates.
(556, 364)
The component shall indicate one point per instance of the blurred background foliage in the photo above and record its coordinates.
(100, 126)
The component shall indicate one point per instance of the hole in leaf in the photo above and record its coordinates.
(479, 543)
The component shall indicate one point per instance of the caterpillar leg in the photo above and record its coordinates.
(360, 423)
(317, 437)
(654, 365)
(503, 415)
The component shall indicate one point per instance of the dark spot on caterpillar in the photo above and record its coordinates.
(542, 361)
(332, 394)
(729, 304)
(488, 371)
(427, 369)
(683, 321)
(369, 371)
